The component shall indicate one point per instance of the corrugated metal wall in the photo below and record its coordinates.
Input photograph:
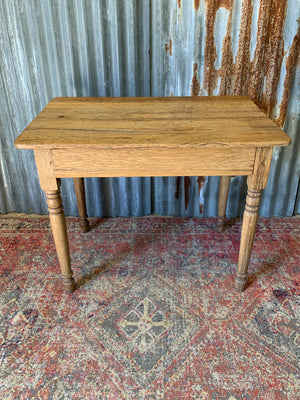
(54, 48)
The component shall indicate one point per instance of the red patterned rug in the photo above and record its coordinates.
(154, 316)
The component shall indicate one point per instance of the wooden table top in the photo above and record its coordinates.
(163, 122)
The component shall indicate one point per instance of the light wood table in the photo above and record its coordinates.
(175, 136)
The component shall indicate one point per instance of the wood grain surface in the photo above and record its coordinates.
(128, 162)
(167, 122)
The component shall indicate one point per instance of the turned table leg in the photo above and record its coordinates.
(247, 237)
(256, 183)
(223, 195)
(59, 230)
(80, 194)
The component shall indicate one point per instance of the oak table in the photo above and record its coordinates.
(175, 136)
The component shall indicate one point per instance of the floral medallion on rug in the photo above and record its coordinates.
(154, 314)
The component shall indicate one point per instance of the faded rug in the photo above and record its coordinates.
(154, 316)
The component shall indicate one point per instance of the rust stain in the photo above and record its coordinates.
(210, 53)
(171, 94)
(187, 183)
(224, 3)
(179, 3)
(196, 4)
(242, 61)
(265, 67)
(216, 4)
(258, 78)
(168, 48)
(226, 68)
(290, 68)
(274, 54)
(195, 85)
(201, 181)
(257, 65)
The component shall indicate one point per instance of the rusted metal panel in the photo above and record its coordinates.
(54, 48)
(249, 48)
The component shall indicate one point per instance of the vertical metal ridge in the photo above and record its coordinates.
(148, 48)
(11, 115)
(95, 49)
(63, 43)
(75, 11)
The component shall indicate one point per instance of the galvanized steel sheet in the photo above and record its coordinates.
(52, 48)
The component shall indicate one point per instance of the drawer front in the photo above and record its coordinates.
(152, 162)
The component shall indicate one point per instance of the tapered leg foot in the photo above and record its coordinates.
(68, 283)
(223, 195)
(84, 225)
(59, 230)
(240, 282)
(220, 224)
(81, 202)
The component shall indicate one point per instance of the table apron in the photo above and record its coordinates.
(131, 162)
